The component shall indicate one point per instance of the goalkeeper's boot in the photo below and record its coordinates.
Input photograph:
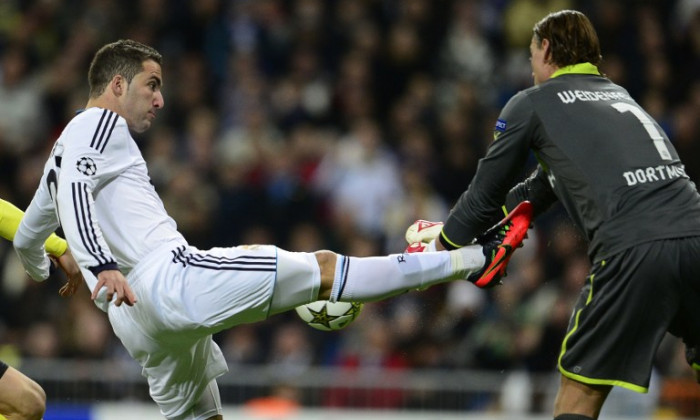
(499, 243)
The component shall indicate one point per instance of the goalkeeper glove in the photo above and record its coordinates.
(421, 236)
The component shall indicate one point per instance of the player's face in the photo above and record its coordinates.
(143, 97)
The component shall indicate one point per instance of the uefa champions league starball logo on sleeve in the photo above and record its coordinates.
(86, 166)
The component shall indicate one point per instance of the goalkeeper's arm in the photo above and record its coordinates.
(535, 189)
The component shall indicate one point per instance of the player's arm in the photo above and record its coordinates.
(38, 223)
(10, 216)
(535, 189)
(10, 219)
(481, 205)
(422, 235)
(85, 169)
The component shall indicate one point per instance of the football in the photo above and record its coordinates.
(329, 316)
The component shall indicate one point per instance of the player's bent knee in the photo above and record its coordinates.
(38, 402)
(33, 404)
(20, 396)
(298, 280)
(326, 261)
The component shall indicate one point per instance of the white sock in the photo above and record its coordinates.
(374, 278)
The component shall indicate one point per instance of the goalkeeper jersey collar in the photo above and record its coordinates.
(580, 68)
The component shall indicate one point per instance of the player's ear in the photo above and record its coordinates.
(546, 47)
(118, 85)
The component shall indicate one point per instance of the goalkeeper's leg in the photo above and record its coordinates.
(579, 401)
(374, 278)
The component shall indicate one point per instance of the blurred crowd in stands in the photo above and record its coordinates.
(335, 124)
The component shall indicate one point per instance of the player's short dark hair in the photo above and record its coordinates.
(572, 38)
(124, 57)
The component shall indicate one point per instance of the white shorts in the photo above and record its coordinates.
(185, 295)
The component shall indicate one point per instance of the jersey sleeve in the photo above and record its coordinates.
(92, 154)
(480, 205)
(38, 223)
(535, 189)
(10, 218)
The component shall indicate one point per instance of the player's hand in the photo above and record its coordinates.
(70, 267)
(421, 236)
(416, 247)
(115, 282)
(423, 231)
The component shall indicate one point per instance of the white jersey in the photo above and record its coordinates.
(96, 185)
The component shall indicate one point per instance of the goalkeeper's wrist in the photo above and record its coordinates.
(430, 246)
(447, 245)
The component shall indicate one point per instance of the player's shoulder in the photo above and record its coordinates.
(529, 93)
(96, 118)
(96, 126)
(520, 103)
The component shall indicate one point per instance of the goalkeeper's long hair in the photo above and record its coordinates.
(572, 38)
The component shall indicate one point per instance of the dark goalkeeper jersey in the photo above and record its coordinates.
(607, 161)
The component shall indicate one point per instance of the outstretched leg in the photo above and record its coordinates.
(374, 278)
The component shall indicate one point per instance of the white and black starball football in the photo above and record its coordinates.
(329, 316)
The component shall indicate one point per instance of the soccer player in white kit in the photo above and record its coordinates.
(96, 185)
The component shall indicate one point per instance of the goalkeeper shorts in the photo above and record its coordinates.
(628, 303)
